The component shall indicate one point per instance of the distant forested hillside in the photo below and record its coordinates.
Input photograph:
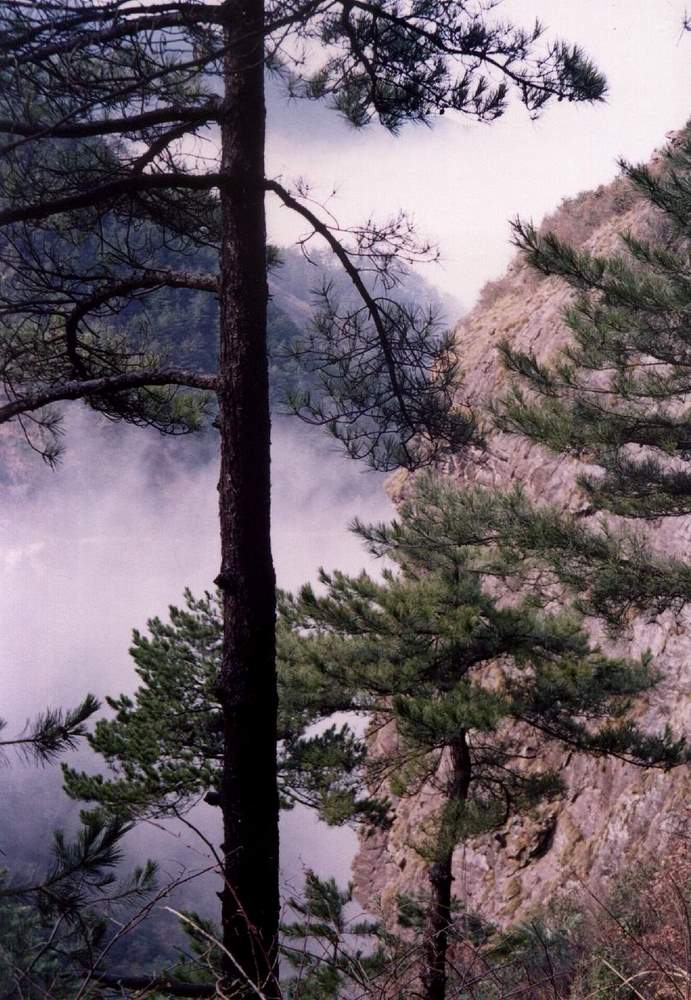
(182, 325)
(185, 322)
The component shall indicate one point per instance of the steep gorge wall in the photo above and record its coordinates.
(613, 815)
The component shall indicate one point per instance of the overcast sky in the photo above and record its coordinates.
(463, 181)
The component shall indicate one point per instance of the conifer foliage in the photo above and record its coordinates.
(56, 916)
(103, 112)
(51, 733)
(619, 392)
(164, 744)
(616, 397)
(476, 690)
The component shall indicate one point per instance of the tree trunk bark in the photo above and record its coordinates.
(247, 684)
(438, 916)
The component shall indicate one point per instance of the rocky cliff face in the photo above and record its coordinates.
(613, 815)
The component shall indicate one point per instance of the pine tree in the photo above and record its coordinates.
(56, 928)
(333, 954)
(616, 397)
(164, 745)
(462, 678)
(98, 106)
(619, 391)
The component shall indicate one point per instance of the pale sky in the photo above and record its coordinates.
(462, 181)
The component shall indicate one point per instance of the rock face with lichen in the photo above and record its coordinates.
(613, 815)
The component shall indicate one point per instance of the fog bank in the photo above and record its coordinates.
(118, 530)
(111, 538)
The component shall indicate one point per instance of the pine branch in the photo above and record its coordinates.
(106, 386)
(110, 191)
(184, 14)
(54, 732)
(130, 124)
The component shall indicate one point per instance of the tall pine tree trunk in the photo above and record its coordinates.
(438, 915)
(247, 685)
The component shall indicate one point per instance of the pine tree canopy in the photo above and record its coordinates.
(104, 204)
(165, 744)
(432, 649)
(427, 647)
(618, 395)
(611, 571)
(472, 693)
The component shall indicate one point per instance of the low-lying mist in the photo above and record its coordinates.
(114, 534)
(110, 538)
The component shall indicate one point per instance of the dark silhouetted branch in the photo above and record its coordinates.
(136, 184)
(82, 389)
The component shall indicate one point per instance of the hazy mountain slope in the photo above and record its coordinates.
(613, 815)
(184, 325)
